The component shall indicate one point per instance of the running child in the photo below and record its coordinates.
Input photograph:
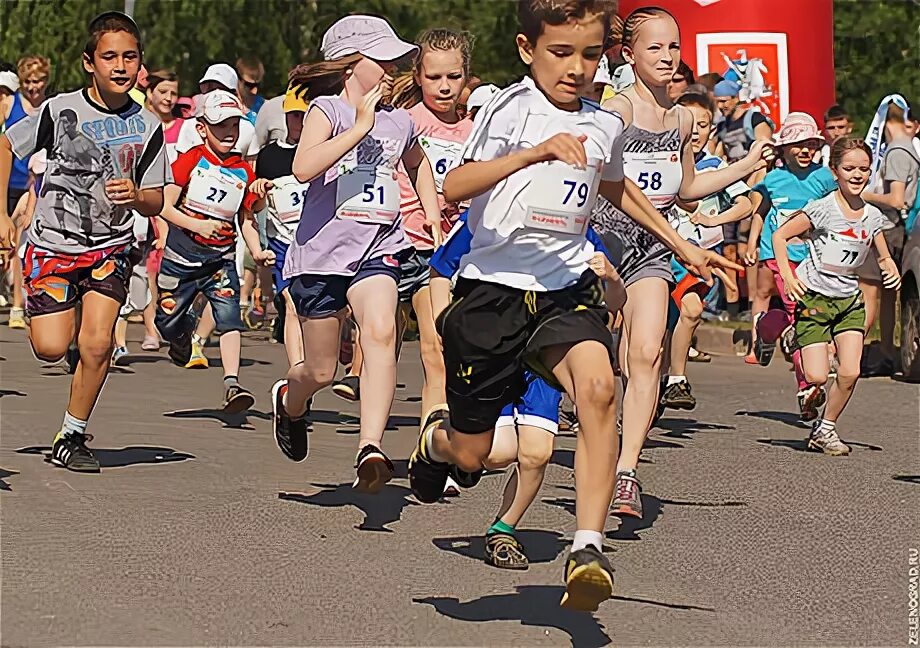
(783, 192)
(350, 245)
(209, 194)
(840, 228)
(533, 166)
(105, 158)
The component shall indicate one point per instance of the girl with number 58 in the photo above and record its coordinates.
(840, 229)
(349, 243)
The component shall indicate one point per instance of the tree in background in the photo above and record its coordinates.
(877, 42)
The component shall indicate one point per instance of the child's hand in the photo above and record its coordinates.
(602, 267)
(762, 154)
(260, 186)
(160, 243)
(208, 227)
(367, 109)
(891, 278)
(750, 255)
(121, 191)
(564, 147)
(264, 257)
(794, 288)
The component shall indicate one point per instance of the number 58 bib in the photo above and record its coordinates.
(214, 191)
(560, 197)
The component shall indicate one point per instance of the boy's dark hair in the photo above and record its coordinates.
(108, 22)
(710, 79)
(6, 66)
(685, 71)
(834, 113)
(695, 99)
(533, 14)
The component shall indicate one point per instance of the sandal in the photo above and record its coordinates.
(505, 552)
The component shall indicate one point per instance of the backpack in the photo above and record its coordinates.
(914, 210)
(749, 124)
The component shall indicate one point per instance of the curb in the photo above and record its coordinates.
(719, 340)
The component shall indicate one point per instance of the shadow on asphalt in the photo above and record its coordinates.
(910, 479)
(122, 457)
(393, 423)
(3, 476)
(232, 421)
(11, 392)
(129, 360)
(680, 428)
(801, 445)
(379, 510)
(789, 418)
(244, 362)
(530, 605)
(540, 546)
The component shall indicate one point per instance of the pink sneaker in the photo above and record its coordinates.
(150, 343)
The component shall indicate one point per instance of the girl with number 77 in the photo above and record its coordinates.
(839, 229)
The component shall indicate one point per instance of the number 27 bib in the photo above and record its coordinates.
(560, 197)
(214, 191)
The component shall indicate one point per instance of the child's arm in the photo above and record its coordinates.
(740, 210)
(628, 198)
(696, 186)
(474, 178)
(797, 225)
(416, 160)
(7, 229)
(161, 229)
(439, 291)
(894, 199)
(206, 227)
(251, 237)
(318, 151)
(891, 278)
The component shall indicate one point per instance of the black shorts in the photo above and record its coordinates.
(321, 296)
(414, 275)
(491, 332)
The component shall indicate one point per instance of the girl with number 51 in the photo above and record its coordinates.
(839, 229)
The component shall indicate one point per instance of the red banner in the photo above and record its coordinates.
(781, 50)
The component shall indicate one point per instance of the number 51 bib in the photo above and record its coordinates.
(368, 195)
(560, 197)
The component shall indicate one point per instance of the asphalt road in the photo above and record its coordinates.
(199, 532)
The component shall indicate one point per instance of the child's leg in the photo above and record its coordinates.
(814, 361)
(121, 332)
(535, 448)
(94, 341)
(872, 292)
(789, 305)
(433, 389)
(150, 330)
(765, 286)
(293, 336)
(51, 334)
(691, 312)
(732, 296)
(374, 302)
(320, 338)
(645, 319)
(849, 353)
(206, 323)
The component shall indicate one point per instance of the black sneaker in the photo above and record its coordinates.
(70, 452)
(427, 477)
(439, 413)
(465, 479)
(180, 349)
(290, 433)
(588, 580)
(238, 399)
(374, 469)
(347, 388)
(679, 396)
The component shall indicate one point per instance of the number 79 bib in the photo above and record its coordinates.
(560, 197)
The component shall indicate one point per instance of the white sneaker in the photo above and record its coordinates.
(827, 441)
(451, 488)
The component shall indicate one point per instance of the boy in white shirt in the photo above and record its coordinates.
(533, 166)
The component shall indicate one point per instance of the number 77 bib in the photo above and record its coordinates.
(560, 197)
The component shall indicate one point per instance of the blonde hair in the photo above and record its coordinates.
(323, 78)
(406, 90)
(29, 64)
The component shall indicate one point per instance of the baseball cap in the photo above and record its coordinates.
(603, 72)
(481, 96)
(797, 127)
(726, 88)
(220, 105)
(367, 35)
(10, 81)
(293, 102)
(223, 74)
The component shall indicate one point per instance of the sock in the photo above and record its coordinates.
(500, 527)
(72, 425)
(826, 426)
(733, 308)
(429, 443)
(231, 381)
(585, 538)
(673, 380)
(197, 339)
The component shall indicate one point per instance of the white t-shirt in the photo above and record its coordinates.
(189, 137)
(271, 126)
(529, 230)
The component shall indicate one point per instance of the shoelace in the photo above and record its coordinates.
(626, 487)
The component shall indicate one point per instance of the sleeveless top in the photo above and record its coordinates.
(19, 174)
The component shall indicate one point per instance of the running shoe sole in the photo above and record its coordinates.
(628, 511)
(239, 403)
(831, 453)
(812, 405)
(197, 363)
(298, 447)
(373, 475)
(345, 392)
(586, 588)
(77, 467)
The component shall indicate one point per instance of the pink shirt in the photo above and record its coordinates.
(171, 136)
(442, 143)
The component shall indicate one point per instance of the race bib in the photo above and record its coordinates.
(783, 215)
(287, 198)
(214, 191)
(443, 155)
(657, 174)
(368, 195)
(560, 197)
(841, 253)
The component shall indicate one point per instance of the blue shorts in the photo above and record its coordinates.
(317, 295)
(539, 407)
(180, 285)
(280, 249)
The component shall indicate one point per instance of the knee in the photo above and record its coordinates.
(95, 350)
(596, 392)
(49, 350)
(378, 331)
(643, 354)
(847, 377)
(533, 457)
(691, 309)
(432, 357)
(504, 449)
(469, 459)
(320, 373)
(816, 377)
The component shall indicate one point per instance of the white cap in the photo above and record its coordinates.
(481, 96)
(9, 80)
(603, 72)
(220, 105)
(223, 74)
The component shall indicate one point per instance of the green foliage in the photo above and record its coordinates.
(877, 42)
